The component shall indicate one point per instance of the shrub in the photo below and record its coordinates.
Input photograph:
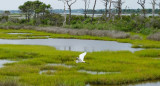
(88, 20)
(155, 22)
(126, 18)
(22, 21)
(135, 37)
(146, 31)
(121, 25)
(155, 36)
(77, 26)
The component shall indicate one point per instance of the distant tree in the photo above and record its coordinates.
(27, 9)
(138, 10)
(40, 8)
(142, 4)
(110, 5)
(37, 10)
(125, 10)
(153, 2)
(93, 10)
(86, 6)
(34, 7)
(7, 13)
(65, 15)
(158, 5)
(44, 8)
(111, 13)
(5, 16)
(106, 2)
(119, 7)
(70, 3)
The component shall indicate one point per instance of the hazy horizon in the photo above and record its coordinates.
(8, 4)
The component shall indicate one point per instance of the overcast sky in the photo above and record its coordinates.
(13, 4)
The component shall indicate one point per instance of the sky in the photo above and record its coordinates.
(13, 4)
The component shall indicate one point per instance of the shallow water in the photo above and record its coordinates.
(75, 44)
(157, 58)
(41, 36)
(18, 33)
(99, 73)
(2, 62)
(44, 71)
(153, 83)
(54, 64)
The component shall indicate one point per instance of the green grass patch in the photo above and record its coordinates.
(148, 53)
(31, 59)
(132, 67)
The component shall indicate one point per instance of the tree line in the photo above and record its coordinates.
(41, 14)
(38, 8)
(124, 11)
(109, 4)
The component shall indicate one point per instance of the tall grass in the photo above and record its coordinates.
(155, 36)
(77, 32)
(81, 32)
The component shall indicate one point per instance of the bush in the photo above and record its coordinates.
(146, 31)
(136, 37)
(155, 22)
(77, 26)
(155, 36)
(88, 20)
(51, 19)
(22, 21)
(126, 18)
(121, 25)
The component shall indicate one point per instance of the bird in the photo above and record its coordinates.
(80, 59)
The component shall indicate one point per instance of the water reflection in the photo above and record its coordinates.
(75, 44)
(2, 62)
(18, 33)
(54, 64)
(96, 72)
(45, 71)
(41, 36)
(153, 83)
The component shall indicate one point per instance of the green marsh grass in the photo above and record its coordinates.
(133, 67)
(31, 59)
(149, 53)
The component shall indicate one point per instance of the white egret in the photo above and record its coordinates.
(80, 59)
